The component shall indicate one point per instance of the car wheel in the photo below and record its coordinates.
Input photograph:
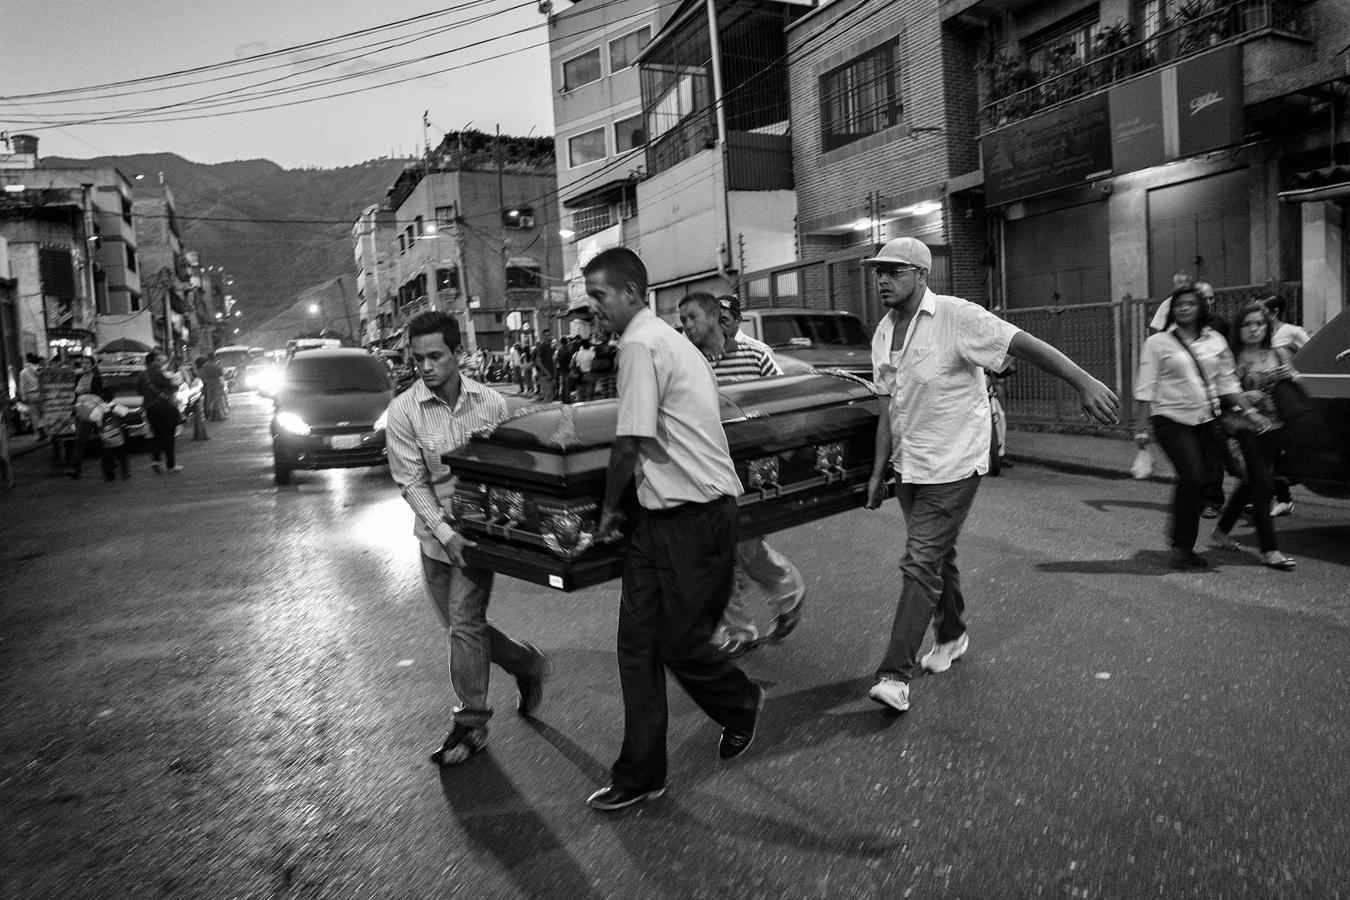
(280, 471)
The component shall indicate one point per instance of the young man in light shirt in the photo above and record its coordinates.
(440, 412)
(929, 354)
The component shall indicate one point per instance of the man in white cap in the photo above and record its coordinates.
(929, 354)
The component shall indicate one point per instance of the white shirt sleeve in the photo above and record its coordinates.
(410, 472)
(984, 337)
(639, 392)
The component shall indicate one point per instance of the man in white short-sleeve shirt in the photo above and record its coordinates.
(677, 573)
(929, 354)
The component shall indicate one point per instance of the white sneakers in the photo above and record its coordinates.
(892, 693)
(941, 657)
(1281, 508)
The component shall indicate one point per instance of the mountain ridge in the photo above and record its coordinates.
(296, 232)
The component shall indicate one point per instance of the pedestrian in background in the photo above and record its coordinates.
(160, 395)
(546, 375)
(6, 464)
(1259, 433)
(677, 572)
(1290, 339)
(582, 361)
(30, 392)
(1185, 374)
(710, 326)
(440, 412)
(215, 398)
(109, 419)
(929, 353)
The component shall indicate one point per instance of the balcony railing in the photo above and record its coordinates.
(1219, 23)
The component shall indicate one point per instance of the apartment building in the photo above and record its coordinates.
(883, 145)
(1125, 141)
(166, 282)
(374, 242)
(476, 233)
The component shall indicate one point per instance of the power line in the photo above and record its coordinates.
(247, 59)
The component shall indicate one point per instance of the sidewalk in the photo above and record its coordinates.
(1109, 457)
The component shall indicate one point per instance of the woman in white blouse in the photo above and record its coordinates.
(1185, 378)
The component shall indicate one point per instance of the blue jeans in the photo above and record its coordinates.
(460, 597)
(930, 587)
(1192, 450)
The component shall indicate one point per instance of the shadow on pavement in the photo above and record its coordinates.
(1144, 562)
(1110, 503)
(496, 818)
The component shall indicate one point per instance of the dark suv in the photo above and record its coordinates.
(329, 411)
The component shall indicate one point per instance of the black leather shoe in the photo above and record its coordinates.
(531, 687)
(784, 623)
(460, 744)
(734, 743)
(1187, 559)
(610, 798)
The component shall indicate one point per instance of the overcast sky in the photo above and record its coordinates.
(58, 45)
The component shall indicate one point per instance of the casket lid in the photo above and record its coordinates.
(581, 426)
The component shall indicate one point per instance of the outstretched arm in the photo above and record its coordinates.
(1098, 401)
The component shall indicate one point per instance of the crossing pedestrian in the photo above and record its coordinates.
(929, 354)
(440, 413)
(161, 411)
(1185, 374)
(677, 572)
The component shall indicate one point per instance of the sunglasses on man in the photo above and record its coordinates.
(895, 270)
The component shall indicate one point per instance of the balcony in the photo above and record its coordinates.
(1016, 93)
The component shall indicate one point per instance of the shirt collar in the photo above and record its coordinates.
(423, 394)
(927, 305)
(636, 322)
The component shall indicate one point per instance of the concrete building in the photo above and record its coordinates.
(49, 305)
(477, 235)
(115, 270)
(883, 141)
(600, 130)
(169, 293)
(1123, 143)
(374, 246)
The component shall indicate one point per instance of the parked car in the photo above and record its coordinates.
(805, 339)
(1318, 445)
(125, 383)
(329, 411)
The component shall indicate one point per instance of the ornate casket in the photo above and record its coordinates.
(529, 493)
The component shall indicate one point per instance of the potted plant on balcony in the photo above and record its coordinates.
(1110, 64)
(1008, 76)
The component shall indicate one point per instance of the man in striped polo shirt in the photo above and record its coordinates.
(438, 414)
(710, 323)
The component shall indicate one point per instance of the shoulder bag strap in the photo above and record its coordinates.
(1214, 405)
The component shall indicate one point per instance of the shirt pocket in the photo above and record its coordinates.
(923, 365)
(431, 445)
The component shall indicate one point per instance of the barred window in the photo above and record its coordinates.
(861, 97)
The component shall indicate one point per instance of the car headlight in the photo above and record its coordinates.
(289, 421)
(382, 421)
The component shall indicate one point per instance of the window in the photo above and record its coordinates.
(519, 217)
(629, 134)
(522, 277)
(447, 279)
(623, 51)
(581, 70)
(1063, 46)
(861, 97)
(402, 244)
(445, 216)
(586, 148)
(131, 257)
(418, 228)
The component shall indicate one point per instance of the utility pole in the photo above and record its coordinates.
(470, 336)
(501, 212)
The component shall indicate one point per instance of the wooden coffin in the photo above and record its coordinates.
(528, 494)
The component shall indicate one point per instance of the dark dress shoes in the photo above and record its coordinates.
(610, 798)
(734, 743)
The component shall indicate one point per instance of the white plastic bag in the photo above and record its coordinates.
(1142, 467)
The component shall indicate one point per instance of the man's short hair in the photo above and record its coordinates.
(732, 304)
(704, 301)
(1276, 305)
(620, 267)
(434, 321)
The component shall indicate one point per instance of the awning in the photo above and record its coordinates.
(1318, 184)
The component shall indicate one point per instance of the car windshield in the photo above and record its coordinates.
(123, 384)
(336, 375)
(806, 330)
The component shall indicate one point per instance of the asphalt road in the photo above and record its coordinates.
(214, 687)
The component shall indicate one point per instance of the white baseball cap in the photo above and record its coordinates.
(905, 251)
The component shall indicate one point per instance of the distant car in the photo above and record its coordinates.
(1318, 442)
(329, 412)
(803, 339)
